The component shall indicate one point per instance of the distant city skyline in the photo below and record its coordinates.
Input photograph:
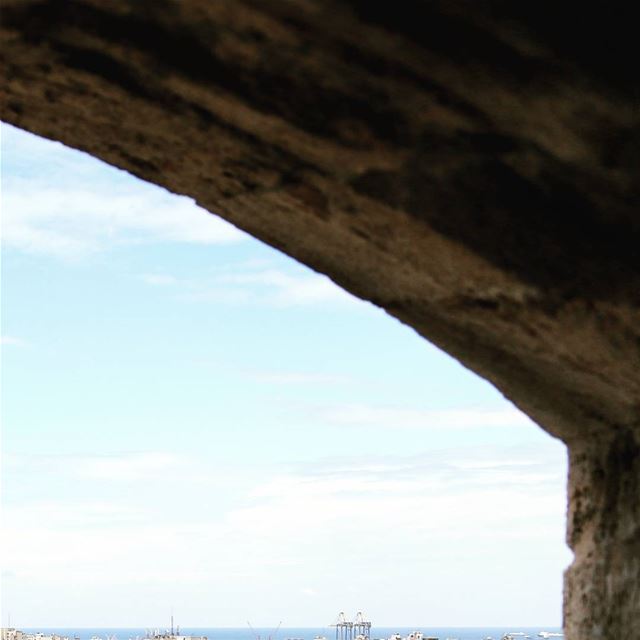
(193, 421)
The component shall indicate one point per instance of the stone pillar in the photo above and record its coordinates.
(602, 586)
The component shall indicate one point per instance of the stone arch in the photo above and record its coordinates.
(469, 167)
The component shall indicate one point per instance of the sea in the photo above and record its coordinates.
(307, 633)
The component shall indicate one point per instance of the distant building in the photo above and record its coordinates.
(9, 633)
(170, 635)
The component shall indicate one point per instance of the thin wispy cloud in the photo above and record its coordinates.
(447, 472)
(271, 287)
(335, 512)
(289, 289)
(76, 223)
(72, 223)
(297, 377)
(361, 415)
(58, 515)
(115, 467)
(61, 203)
(417, 494)
(127, 467)
(257, 284)
(13, 341)
(159, 279)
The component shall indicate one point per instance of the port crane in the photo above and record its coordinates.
(358, 629)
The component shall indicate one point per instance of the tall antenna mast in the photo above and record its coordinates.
(275, 633)
(253, 631)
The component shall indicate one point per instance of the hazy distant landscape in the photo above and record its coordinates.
(308, 633)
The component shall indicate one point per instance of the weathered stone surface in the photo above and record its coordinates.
(470, 167)
(602, 590)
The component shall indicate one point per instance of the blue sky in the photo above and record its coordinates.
(193, 420)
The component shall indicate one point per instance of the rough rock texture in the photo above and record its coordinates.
(471, 167)
(604, 509)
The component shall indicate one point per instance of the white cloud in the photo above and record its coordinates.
(61, 202)
(158, 279)
(116, 467)
(403, 502)
(289, 289)
(127, 467)
(400, 418)
(13, 341)
(393, 516)
(57, 515)
(74, 222)
(273, 287)
(297, 377)
(255, 282)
